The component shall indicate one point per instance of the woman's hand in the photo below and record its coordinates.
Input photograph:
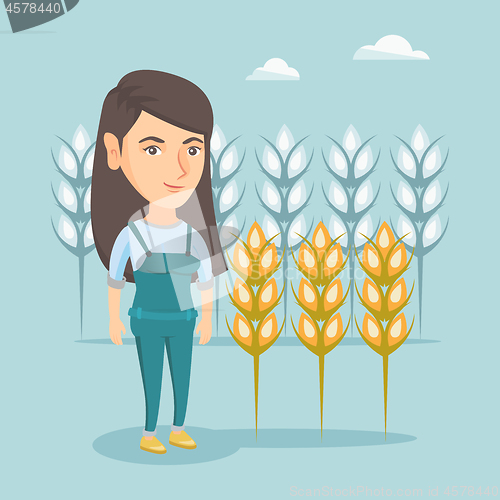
(204, 328)
(116, 328)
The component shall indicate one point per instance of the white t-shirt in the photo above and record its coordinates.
(159, 239)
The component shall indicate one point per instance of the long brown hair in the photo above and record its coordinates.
(114, 200)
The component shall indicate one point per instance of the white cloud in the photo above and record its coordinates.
(390, 47)
(274, 69)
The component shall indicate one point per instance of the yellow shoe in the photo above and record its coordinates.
(182, 440)
(152, 445)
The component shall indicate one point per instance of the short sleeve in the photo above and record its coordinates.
(199, 250)
(120, 254)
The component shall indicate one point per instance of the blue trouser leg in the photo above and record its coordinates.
(151, 354)
(179, 353)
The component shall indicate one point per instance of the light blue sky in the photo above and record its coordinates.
(56, 77)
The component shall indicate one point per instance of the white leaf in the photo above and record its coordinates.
(229, 196)
(419, 141)
(432, 230)
(297, 162)
(88, 236)
(285, 141)
(217, 142)
(336, 227)
(271, 162)
(228, 230)
(432, 196)
(351, 141)
(337, 196)
(364, 227)
(364, 162)
(89, 164)
(81, 141)
(231, 222)
(406, 197)
(337, 161)
(364, 196)
(405, 227)
(67, 196)
(67, 231)
(229, 162)
(432, 161)
(271, 197)
(406, 162)
(86, 199)
(67, 162)
(270, 228)
(297, 196)
(297, 226)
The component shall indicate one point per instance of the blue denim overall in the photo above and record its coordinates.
(157, 320)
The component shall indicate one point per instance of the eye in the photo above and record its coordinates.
(193, 151)
(153, 151)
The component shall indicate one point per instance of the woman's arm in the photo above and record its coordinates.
(116, 327)
(200, 250)
(205, 325)
(204, 283)
(117, 262)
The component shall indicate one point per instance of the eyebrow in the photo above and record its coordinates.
(152, 138)
(191, 139)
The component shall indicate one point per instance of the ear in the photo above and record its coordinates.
(113, 149)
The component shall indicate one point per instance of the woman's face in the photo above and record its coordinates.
(163, 162)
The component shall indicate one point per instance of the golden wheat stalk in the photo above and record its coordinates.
(384, 261)
(320, 296)
(255, 295)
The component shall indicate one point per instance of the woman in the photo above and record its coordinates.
(154, 224)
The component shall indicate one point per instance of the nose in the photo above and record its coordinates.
(177, 167)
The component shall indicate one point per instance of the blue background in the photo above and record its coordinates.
(73, 412)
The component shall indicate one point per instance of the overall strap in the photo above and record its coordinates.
(139, 237)
(188, 240)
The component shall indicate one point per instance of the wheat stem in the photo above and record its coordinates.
(420, 261)
(217, 305)
(351, 279)
(285, 292)
(321, 387)
(256, 385)
(81, 262)
(386, 382)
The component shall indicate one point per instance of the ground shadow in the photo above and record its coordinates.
(123, 445)
(284, 342)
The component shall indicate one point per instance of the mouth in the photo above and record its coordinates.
(173, 187)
